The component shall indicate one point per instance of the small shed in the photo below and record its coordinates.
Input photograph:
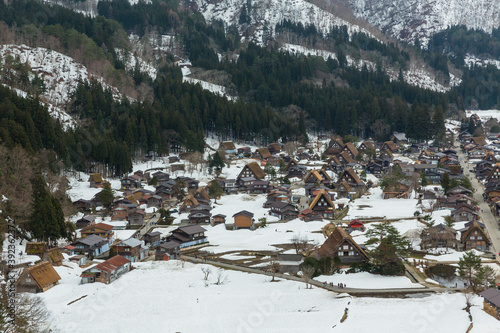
(80, 259)
(54, 256)
(356, 225)
(218, 219)
(491, 302)
(243, 219)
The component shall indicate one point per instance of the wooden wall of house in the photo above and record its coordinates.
(242, 221)
(491, 310)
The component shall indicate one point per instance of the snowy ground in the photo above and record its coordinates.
(485, 115)
(450, 255)
(373, 205)
(262, 239)
(364, 280)
(175, 299)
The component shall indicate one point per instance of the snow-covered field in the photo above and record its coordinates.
(165, 297)
(485, 115)
(364, 280)
(261, 239)
(373, 205)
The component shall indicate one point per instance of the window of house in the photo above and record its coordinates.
(479, 237)
(472, 237)
(346, 247)
(340, 253)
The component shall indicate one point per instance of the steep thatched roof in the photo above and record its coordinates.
(43, 273)
(322, 193)
(256, 169)
(332, 243)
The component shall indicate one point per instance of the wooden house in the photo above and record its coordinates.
(243, 220)
(92, 246)
(474, 237)
(459, 190)
(494, 176)
(297, 171)
(83, 205)
(107, 271)
(322, 203)
(200, 215)
(356, 225)
(479, 140)
(464, 214)
(136, 217)
(38, 278)
(96, 180)
(79, 259)
(340, 244)
(386, 155)
(131, 249)
(167, 250)
(100, 229)
(119, 212)
(351, 150)
(218, 219)
(54, 256)
(227, 147)
(351, 177)
(308, 215)
(317, 177)
(283, 210)
(335, 146)
(274, 148)
(389, 145)
(152, 238)
(397, 190)
(491, 302)
(344, 158)
(252, 169)
(399, 138)
(130, 182)
(439, 236)
(343, 189)
(262, 153)
(188, 236)
(85, 221)
(366, 146)
(188, 204)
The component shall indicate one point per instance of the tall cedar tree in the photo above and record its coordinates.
(215, 190)
(106, 196)
(47, 218)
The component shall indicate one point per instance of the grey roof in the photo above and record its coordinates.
(192, 229)
(154, 233)
(170, 244)
(400, 136)
(91, 240)
(492, 295)
(244, 212)
(133, 242)
(89, 218)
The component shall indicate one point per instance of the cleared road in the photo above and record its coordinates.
(489, 220)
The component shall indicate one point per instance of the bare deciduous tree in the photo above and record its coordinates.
(307, 275)
(275, 268)
(221, 277)
(206, 274)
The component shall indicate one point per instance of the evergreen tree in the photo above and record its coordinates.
(106, 196)
(445, 182)
(215, 190)
(47, 219)
(216, 163)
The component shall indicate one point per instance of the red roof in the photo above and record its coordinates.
(70, 247)
(112, 264)
(356, 224)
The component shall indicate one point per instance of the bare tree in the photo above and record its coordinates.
(300, 244)
(221, 277)
(31, 314)
(275, 268)
(206, 274)
(307, 275)
(290, 148)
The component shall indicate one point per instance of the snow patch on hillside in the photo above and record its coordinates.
(471, 60)
(414, 76)
(131, 61)
(412, 19)
(266, 14)
(212, 87)
(59, 73)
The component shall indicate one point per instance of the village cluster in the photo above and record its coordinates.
(161, 214)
